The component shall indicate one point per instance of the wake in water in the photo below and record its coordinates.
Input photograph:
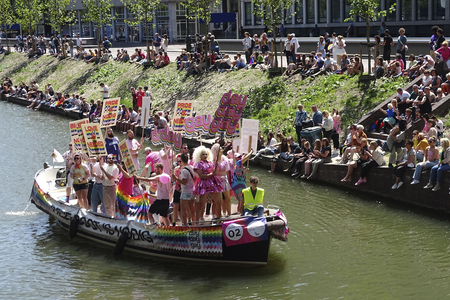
(22, 213)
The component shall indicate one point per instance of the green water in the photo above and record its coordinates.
(342, 245)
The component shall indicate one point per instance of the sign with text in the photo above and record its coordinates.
(249, 129)
(167, 137)
(246, 230)
(227, 116)
(110, 111)
(197, 123)
(94, 139)
(146, 107)
(76, 135)
(183, 110)
(126, 158)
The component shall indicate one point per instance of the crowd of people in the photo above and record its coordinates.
(197, 183)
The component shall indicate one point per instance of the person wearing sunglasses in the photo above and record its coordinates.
(80, 175)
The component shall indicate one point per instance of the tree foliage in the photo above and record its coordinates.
(200, 8)
(6, 15)
(144, 12)
(59, 13)
(99, 13)
(369, 11)
(28, 13)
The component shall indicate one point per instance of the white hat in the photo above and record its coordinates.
(292, 34)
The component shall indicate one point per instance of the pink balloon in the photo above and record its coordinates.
(164, 178)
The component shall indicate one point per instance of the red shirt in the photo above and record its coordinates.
(139, 95)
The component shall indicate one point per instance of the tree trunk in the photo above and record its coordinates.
(274, 33)
(98, 43)
(148, 41)
(368, 46)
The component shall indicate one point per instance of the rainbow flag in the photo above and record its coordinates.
(131, 208)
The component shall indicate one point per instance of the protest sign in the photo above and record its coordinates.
(110, 111)
(249, 129)
(94, 139)
(227, 116)
(197, 123)
(76, 135)
(126, 158)
(183, 110)
(146, 107)
(167, 137)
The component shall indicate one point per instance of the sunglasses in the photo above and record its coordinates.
(76, 158)
(185, 147)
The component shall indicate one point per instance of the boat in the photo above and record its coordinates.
(233, 240)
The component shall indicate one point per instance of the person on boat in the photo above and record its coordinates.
(223, 166)
(134, 147)
(239, 178)
(125, 180)
(186, 179)
(80, 175)
(161, 204)
(111, 172)
(152, 158)
(68, 158)
(253, 198)
(112, 144)
(209, 187)
(97, 189)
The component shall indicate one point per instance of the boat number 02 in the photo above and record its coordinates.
(234, 232)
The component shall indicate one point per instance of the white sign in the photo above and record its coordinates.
(249, 128)
(146, 106)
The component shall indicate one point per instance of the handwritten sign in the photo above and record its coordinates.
(126, 158)
(183, 110)
(76, 135)
(249, 129)
(227, 116)
(109, 112)
(94, 139)
(166, 137)
(146, 104)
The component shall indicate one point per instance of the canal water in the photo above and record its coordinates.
(342, 245)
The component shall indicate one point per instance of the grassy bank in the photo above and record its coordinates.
(272, 100)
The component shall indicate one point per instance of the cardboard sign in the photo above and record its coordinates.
(126, 158)
(198, 123)
(227, 116)
(246, 230)
(166, 137)
(76, 136)
(94, 139)
(249, 129)
(183, 110)
(110, 111)
(146, 104)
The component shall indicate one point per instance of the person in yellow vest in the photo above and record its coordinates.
(253, 198)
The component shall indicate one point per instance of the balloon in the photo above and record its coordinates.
(164, 178)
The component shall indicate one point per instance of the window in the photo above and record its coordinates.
(248, 13)
(162, 10)
(181, 10)
(299, 12)
(390, 16)
(439, 9)
(310, 12)
(346, 9)
(119, 12)
(422, 9)
(406, 10)
(322, 11)
(335, 11)
(288, 13)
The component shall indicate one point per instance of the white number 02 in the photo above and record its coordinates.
(234, 232)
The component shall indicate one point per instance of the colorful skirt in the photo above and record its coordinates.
(207, 186)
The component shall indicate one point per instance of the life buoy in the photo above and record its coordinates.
(73, 228)
(122, 241)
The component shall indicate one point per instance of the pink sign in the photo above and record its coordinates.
(198, 123)
(246, 230)
(167, 137)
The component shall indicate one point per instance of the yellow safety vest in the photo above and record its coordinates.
(248, 197)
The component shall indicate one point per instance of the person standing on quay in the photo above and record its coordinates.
(105, 91)
(300, 117)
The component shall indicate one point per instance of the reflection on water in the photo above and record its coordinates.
(341, 245)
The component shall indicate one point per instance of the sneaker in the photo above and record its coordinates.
(294, 174)
(399, 184)
(436, 188)
(304, 176)
(286, 170)
(394, 187)
(359, 182)
(428, 186)
(415, 181)
(364, 180)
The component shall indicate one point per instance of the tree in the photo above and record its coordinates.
(6, 16)
(59, 15)
(28, 13)
(200, 9)
(143, 11)
(99, 13)
(367, 10)
(271, 12)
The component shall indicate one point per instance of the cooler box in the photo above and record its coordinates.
(311, 134)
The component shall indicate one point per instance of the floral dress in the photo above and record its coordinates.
(209, 185)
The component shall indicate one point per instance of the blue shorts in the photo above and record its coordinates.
(186, 196)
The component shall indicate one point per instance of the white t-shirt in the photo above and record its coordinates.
(98, 171)
(294, 41)
(112, 170)
(79, 42)
(105, 92)
(404, 96)
(163, 190)
(189, 175)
